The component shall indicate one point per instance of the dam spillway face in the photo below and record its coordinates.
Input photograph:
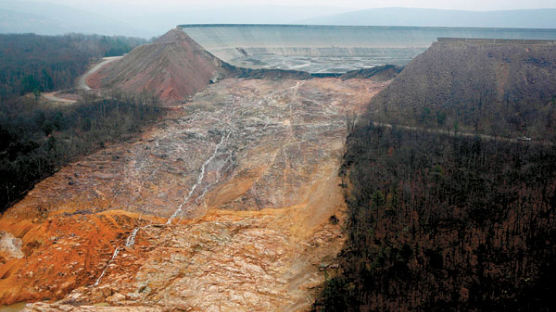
(332, 49)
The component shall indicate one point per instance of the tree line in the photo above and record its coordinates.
(36, 140)
(443, 223)
(33, 63)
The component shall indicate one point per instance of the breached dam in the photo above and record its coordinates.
(334, 49)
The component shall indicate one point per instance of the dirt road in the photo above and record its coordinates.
(82, 82)
(462, 134)
(51, 96)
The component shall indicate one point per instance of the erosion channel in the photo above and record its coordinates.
(230, 203)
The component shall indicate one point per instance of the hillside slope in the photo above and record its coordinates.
(501, 88)
(173, 67)
(449, 221)
(246, 173)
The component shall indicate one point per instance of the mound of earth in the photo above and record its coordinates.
(173, 67)
(496, 87)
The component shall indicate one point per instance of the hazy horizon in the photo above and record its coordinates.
(147, 19)
(471, 5)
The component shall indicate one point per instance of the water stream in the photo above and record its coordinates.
(114, 255)
(130, 241)
(200, 178)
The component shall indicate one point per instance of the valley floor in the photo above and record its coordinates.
(226, 205)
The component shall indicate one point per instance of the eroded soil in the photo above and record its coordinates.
(230, 198)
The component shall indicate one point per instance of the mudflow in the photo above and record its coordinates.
(224, 205)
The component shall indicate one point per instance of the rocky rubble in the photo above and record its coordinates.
(248, 168)
(10, 247)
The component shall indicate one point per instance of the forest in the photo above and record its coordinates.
(33, 63)
(450, 182)
(36, 137)
(445, 223)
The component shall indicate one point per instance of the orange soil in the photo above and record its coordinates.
(64, 249)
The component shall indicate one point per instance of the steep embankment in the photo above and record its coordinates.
(173, 67)
(444, 221)
(497, 87)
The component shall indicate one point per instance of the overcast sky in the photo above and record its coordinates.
(148, 18)
(348, 4)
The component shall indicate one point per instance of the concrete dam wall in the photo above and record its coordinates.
(334, 49)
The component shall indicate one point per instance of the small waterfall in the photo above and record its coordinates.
(130, 241)
(200, 178)
(114, 255)
(131, 238)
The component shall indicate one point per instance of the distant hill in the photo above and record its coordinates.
(496, 87)
(139, 19)
(54, 19)
(541, 18)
